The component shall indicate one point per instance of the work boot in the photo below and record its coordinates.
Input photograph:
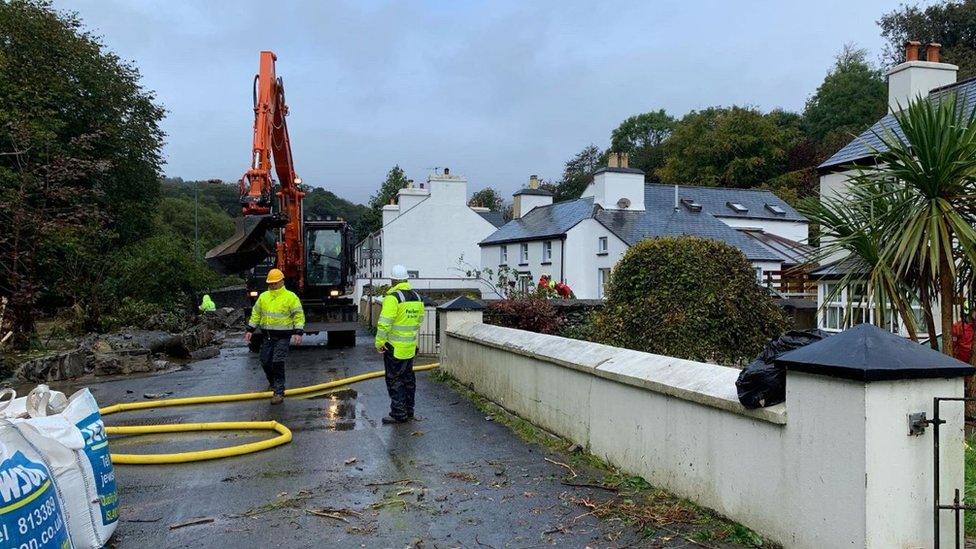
(390, 420)
(277, 399)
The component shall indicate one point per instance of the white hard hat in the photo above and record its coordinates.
(398, 272)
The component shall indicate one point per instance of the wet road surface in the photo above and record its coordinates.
(450, 479)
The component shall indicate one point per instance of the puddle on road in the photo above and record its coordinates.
(341, 410)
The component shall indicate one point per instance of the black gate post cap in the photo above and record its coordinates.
(868, 353)
(462, 303)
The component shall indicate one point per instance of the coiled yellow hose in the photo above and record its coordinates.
(284, 434)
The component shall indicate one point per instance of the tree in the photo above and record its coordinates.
(322, 203)
(934, 162)
(950, 23)
(688, 297)
(578, 173)
(372, 219)
(80, 149)
(642, 136)
(487, 198)
(731, 147)
(852, 96)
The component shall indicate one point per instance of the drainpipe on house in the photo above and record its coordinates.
(562, 259)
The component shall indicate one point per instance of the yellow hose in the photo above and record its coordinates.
(284, 434)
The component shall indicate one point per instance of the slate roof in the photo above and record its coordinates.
(539, 192)
(795, 253)
(543, 221)
(659, 219)
(714, 200)
(865, 144)
(495, 218)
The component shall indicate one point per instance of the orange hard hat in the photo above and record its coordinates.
(275, 275)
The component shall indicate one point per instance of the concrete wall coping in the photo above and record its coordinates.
(706, 384)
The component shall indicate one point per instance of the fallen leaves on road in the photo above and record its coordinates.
(194, 522)
(461, 475)
(337, 513)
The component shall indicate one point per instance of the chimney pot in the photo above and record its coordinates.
(410, 183)
(533, 182)
(613, 161)
(911, 50)
(623, 160)
(447, 171)
(932, 52)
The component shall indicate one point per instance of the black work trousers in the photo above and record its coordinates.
(274, 351)
(401, 383)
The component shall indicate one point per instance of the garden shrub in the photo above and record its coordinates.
(531, 313)
(688, 297)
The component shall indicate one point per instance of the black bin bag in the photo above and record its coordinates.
(761, 383)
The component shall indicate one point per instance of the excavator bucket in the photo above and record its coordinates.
(252, 243)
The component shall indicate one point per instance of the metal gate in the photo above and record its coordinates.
(427, 342)
(957, 506)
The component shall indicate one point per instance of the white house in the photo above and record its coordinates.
(579, 241)
(427, 230)
(907, 81)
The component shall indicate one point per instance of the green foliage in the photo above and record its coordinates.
(159, 270)
(214, 193)
(80, 148)
(372, 219)
(929, 228)
(950, 23)
(578, 173)
(729, 147)
(487, 198)
(688, 297)
(649, 129)
(182, 217)
(853, 96)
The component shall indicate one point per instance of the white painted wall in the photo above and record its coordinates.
(535, 266)
(796, 231)
(833, 467)
(525, 203)
(583, 260)
(431, 228)
(913, 79)
(608, 187)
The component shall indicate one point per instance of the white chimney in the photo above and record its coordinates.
(915, 78)
(448, 188)
(618, 186)
(529, 198)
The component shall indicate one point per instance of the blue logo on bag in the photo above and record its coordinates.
(30, 515)
(96, 448)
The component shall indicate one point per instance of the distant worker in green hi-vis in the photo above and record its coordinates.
(207, 305)
(396, 339)
(278, 313)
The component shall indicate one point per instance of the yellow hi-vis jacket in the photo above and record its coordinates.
(399, 321)
(277, 313)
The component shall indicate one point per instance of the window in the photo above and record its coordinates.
(759, 274)
(524, 282)
(737, 207)
(601, 245)
(413, 274)
(777, 210)
(524, 253)
(547, 251)
(602, 277)
(503, 255)
(691, 205)
(846, 307)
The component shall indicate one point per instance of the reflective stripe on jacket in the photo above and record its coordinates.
(399, 321)
(277, 311)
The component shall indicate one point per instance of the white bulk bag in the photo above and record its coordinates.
(31, 504)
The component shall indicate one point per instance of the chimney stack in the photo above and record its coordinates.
(916, 78)
(533, 182)
(618, 160)
(911, 50)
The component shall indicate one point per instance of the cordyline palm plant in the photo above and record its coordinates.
(928, 173)
(857, 225)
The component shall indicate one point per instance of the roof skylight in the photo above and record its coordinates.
(691, 204)
(776, 209)
(737, 207)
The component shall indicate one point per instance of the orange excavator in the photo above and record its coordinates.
(315, 255)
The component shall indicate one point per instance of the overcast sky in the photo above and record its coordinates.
(494, 90)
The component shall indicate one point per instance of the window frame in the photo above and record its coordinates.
(547, 251)
(602, 277)
(503, 255)
(524, 253)
(602, 244)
